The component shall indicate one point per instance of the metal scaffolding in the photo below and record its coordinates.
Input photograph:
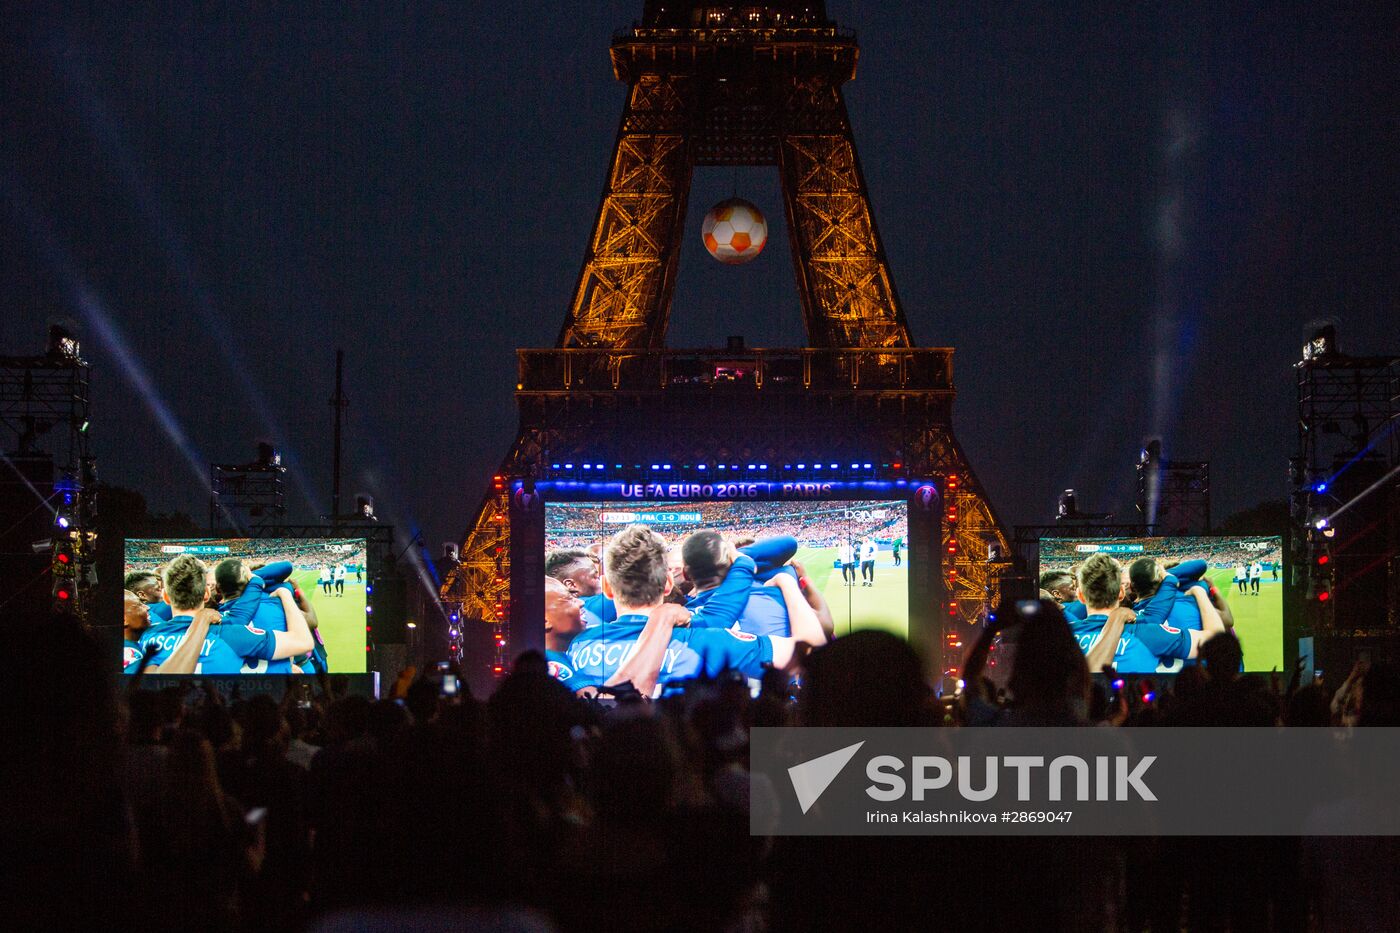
(44, 413)
(1348, 428)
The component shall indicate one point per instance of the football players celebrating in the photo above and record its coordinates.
(149, 588)
(578, 571)
(1151, 639)
(1146, 577)
(135, 620)
(563, 620)
(637, 579)
(223, 651)
(248, 599)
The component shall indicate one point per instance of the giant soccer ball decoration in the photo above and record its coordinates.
(734, 231)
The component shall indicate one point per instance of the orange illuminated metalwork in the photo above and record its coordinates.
(730, 84)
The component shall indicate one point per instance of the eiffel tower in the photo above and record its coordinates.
(734, 84)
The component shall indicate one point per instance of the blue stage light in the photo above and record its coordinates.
(723, 467)
(855, 466)
(866, 466)
(666, 466)
(835, 466)
(1320, 487)
(656, 466)
(588, 466)
(554, 466)
(700, 466)
(568, 466)
(763, 466)
(802, 466)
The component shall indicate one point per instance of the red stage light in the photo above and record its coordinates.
(63, 558)
(1323, 596)
(1323, 560)
(63, 594)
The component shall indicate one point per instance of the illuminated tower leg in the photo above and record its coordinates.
(848, 297)
(623, 296)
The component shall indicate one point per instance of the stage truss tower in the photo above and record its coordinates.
(44, 414)
(1346, 496)
(724, 84)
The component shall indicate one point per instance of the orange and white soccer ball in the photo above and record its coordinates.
(734, 231)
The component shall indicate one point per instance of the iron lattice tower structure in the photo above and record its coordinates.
(724, 85)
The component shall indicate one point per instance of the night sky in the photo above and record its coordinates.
(1123, 216)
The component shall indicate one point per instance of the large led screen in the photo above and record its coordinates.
(1246, 574)
(852, 558)
(318, 623)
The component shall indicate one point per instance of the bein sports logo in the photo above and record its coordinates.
(1112, 776)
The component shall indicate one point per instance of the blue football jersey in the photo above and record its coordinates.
(1173, 610)
(598, 609)
(215, 657)
(131, 656)
(561, 669)
(758, 610)
(248, 622)
(770, 555)
(1150, 645)
(1143, 648)
(596, 654)
(765, 613)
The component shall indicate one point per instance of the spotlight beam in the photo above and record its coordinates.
(1378, 484)
(109, 132)
(104, 326)
(1376, 438)
(43, 501)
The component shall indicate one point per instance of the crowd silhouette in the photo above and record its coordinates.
(534, 809)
